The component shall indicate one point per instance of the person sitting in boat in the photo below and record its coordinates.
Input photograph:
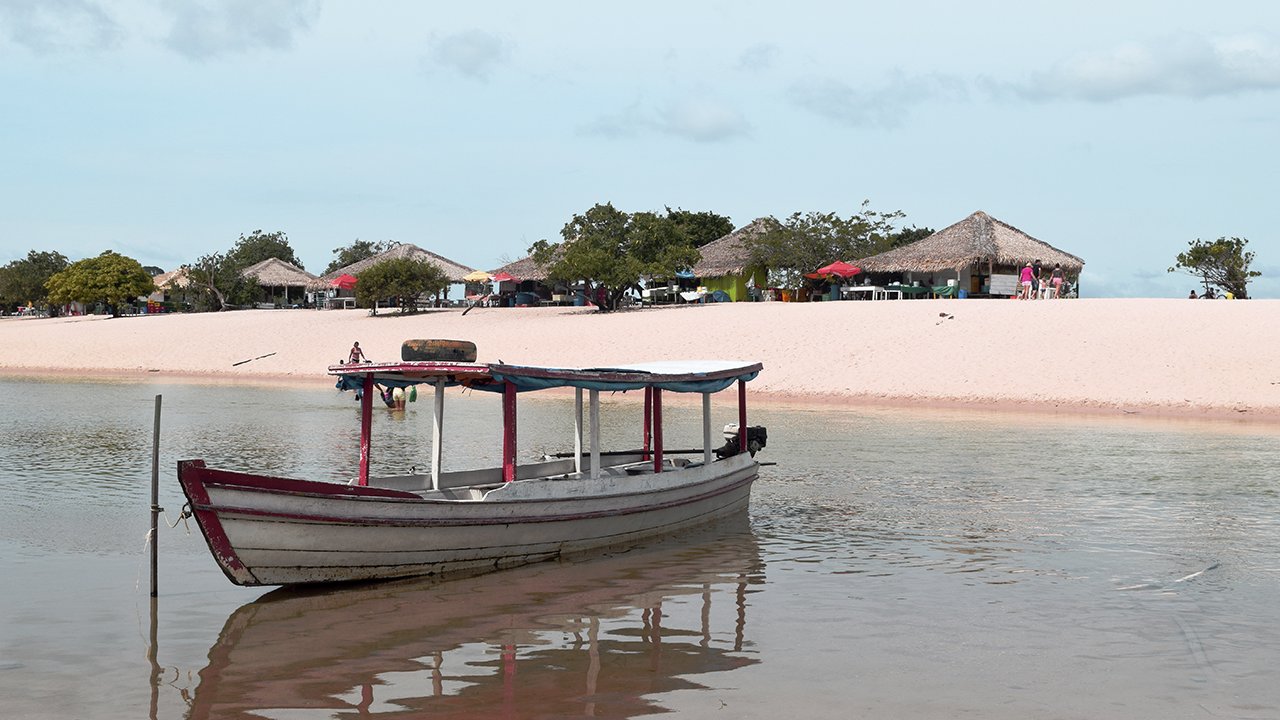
(356, 354)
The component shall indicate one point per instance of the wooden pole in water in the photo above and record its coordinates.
(155, 497)
(366, 428)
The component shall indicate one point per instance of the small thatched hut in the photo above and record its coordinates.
(980, 252)
(275, 273)
(726, 263)
(523, 269)
(452, 270)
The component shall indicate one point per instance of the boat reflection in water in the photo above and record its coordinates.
(598, 637)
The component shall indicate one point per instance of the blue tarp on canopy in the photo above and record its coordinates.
(524, 384)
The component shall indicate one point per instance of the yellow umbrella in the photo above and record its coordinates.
(477, 276)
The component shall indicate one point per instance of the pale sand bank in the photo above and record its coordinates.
(1149, 355)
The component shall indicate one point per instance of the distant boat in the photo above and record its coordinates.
(276, 531)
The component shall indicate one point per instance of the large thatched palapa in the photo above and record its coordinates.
(274, 272)
(978, 246)
(726, 263)
(452, 270)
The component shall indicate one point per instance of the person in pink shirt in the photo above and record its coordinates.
(1027, 274)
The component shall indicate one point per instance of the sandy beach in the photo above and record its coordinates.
(1152, 356)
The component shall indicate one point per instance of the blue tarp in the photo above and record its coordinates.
(524, 384)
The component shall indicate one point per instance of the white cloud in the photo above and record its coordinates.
(473, 53)
(49, 26)
(701, 119)
(1180, 65)
(204, 28)
(884, 106)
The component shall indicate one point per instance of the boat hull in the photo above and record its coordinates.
(277, 531)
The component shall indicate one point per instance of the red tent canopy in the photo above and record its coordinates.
(344, 281)
(503, 277)
(839, 268)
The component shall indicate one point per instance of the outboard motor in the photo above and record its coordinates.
(757, 438)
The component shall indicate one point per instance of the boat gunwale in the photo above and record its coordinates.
(329, 520)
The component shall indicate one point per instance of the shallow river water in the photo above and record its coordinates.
(896, 563)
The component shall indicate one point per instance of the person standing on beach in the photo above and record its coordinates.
(1024, 293)
(1056, 279)
(356, 354)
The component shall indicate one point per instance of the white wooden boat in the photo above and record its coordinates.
(278, 531)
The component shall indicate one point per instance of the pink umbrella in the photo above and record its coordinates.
(344, 281)
(503, 277)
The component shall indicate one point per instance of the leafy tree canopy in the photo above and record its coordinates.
(906, 236)
(217, 280)
(1222, 263)
(357, 251)
(111, 278)
(700, 227)
(613, 250)
(261, 246)
(805, 242)
(23, 281)
(399, 278)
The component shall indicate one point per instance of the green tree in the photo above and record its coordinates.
(357, 251)
(700, 227)
(399, 278)
(608, 248)
(23, 281)
(110, 278)
(217, 284)
(261, 246)
(217, 277)
(906, 236)
(805, 242)
(1223, 264)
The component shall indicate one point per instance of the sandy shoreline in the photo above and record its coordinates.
(1153, 356)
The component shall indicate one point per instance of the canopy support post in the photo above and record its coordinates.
(577, 429)
(648, 421)
(437, 433)
(742, 415)
(509, 432)
(595, 434)
(657, 430)
(366, 426)
(706, 428)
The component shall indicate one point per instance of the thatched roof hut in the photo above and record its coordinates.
(178, 279)
(730, 254)
(452, 270)
(274, 272)
(523, 269)
(978, 241)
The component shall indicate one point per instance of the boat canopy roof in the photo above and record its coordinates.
(695, 376)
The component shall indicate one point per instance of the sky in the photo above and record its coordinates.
(164, 129)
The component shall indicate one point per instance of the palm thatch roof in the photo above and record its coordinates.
(523, 269)
(730, 254)
(452, 270)
(977, 240)
(274, 272)
(179, 278)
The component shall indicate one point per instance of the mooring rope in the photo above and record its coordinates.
(182, 518)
